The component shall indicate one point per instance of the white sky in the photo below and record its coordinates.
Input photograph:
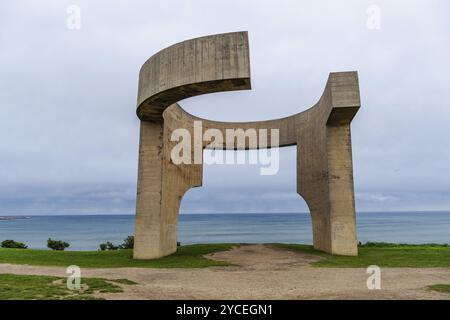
(69, 134)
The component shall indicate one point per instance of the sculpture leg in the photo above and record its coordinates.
(341, 191)
(325, 181)
(161, 186)
(147, 241)
(176, 179)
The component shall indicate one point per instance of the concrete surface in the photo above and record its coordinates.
(221, 63)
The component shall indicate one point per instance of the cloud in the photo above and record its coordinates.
(69, 134)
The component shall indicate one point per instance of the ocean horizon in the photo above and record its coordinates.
(87, 231)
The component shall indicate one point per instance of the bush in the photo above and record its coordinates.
(399, 245)
(57, 244)
(128, 243)
(108, 246)
(13, 244)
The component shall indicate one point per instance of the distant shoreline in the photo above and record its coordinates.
(13, 217)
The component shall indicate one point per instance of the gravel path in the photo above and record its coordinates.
(261, 272)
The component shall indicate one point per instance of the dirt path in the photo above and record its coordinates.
(261, 272)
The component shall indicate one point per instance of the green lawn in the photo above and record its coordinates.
(190, 256)
(440, 287)
(382, 255)
(24, 287)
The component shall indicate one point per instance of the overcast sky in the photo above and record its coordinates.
(69, 132)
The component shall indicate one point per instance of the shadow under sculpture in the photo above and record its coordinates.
(221, 63)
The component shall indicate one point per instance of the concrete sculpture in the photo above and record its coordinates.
(221, 63)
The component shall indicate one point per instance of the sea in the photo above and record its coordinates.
(86, 232)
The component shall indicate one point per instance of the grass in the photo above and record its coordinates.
(25, 287)
(383, 255)
(190, 256)
(440, 288)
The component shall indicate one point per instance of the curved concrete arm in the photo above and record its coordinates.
(337, 106)
(197, 66)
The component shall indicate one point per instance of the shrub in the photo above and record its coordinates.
(13, 244)
(108, 246)
(128, 243)
(399, 245)
(57, 244)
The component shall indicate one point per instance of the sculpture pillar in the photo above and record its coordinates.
(148, 234)
(324, 164)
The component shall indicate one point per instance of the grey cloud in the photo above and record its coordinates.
(69, 134)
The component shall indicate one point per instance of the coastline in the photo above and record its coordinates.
(7, 218)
